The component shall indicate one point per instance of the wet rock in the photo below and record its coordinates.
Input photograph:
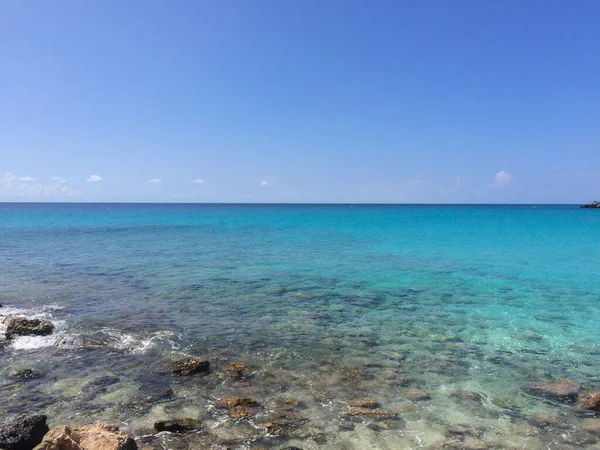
(375, 427)
(87, 437)
(232, 402)
(291, 448)
(563, 390)
(346, 426)
(240, 412)
(466, 396)
(21, 373)
(189, 366)
(365, 403)
(150, 394)
(272, 428)
(476, 445)
(20, 326)
(92, 343)
(376, 413)
(177, 425)
(24, 433)
(461, 430)
(417, 395)
(453, 444)
(235, 369)
(592, 426)
(290, 402)
(542, 420)
(588, 401)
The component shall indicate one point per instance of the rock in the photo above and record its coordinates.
(364, 403)
(189, 366)
(564, 390)
(461, 430)
(291, 448)
(469, 396)
(235, 369)
(24, 433)
(291, 402)
(592, 426)
(232, 402)
(374, 427)
(542, 420)
(588, 401)
(453, 444)
(177, 425)
(346, 426)
(240, 412)
(272, 428)
(477, 445)
(21, 373)
(373, 412)
(417, 395)
(20, 326)
(87, 437)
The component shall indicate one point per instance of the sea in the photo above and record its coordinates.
(437, 314)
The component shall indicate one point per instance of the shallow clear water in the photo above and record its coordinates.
(324, 303)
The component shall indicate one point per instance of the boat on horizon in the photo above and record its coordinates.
(595, 204)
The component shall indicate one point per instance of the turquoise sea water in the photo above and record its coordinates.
(325, 303)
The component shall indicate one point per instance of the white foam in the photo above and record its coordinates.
(133, 344)
(31, 342)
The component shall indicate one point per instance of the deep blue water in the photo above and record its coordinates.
(484, 298)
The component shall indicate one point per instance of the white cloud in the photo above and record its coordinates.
(198, 181)
(264, 183)
(502, 179)
(155, 180)
(27, 187)
(27, 178)
(63, 180)
(94, 178)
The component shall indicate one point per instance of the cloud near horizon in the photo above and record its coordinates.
(94, 178)
(501, 179)
(198, 181)
(27, 178)
(154, 180)
(264, 183)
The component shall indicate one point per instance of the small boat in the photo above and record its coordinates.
(595, 204)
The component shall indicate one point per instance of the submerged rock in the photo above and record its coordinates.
(88, 437)
(177, 425)
(417, 395)
(189, 366)
(23, 434)
(232, 402)
(592, 426)
(563, 390)
(290, 402)
(364, 403)
(466, 396)
(240, 412)
(542, 420)
(588, 401)
(20, 326)
(21, 373)
(461, 430)
(377, 413)
(235, 369)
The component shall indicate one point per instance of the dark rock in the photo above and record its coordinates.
(591, 205)
(542, 420)
(365, 403)
(291, 448)
(376, 413)
(177, 425)
(232, 402)
(21, 373)
(20, 326)
(346, 426)
(23, 434)
(588, 401)
(189, 366)
(564, 390)
(235, 369)
(374, 427)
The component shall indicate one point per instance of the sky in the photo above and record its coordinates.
(432, 101)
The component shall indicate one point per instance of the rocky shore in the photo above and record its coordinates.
(249, 406)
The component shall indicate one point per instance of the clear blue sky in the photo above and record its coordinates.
(282, 100)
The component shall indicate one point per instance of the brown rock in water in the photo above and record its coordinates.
(20, 326)
(232, 402)
(469, 396)
(588, 401)
(542, 420)
(376, 413)
(453, 444)
(291, 402)
(87, 437)
(24, 433)
(364, 403)
(21, 373)
(239, 412)
(189, 366)
(461, 430)
(564, 390)
(417, 395)
(235, 369)
(272, 428)
(177, 425)
(592, 426)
